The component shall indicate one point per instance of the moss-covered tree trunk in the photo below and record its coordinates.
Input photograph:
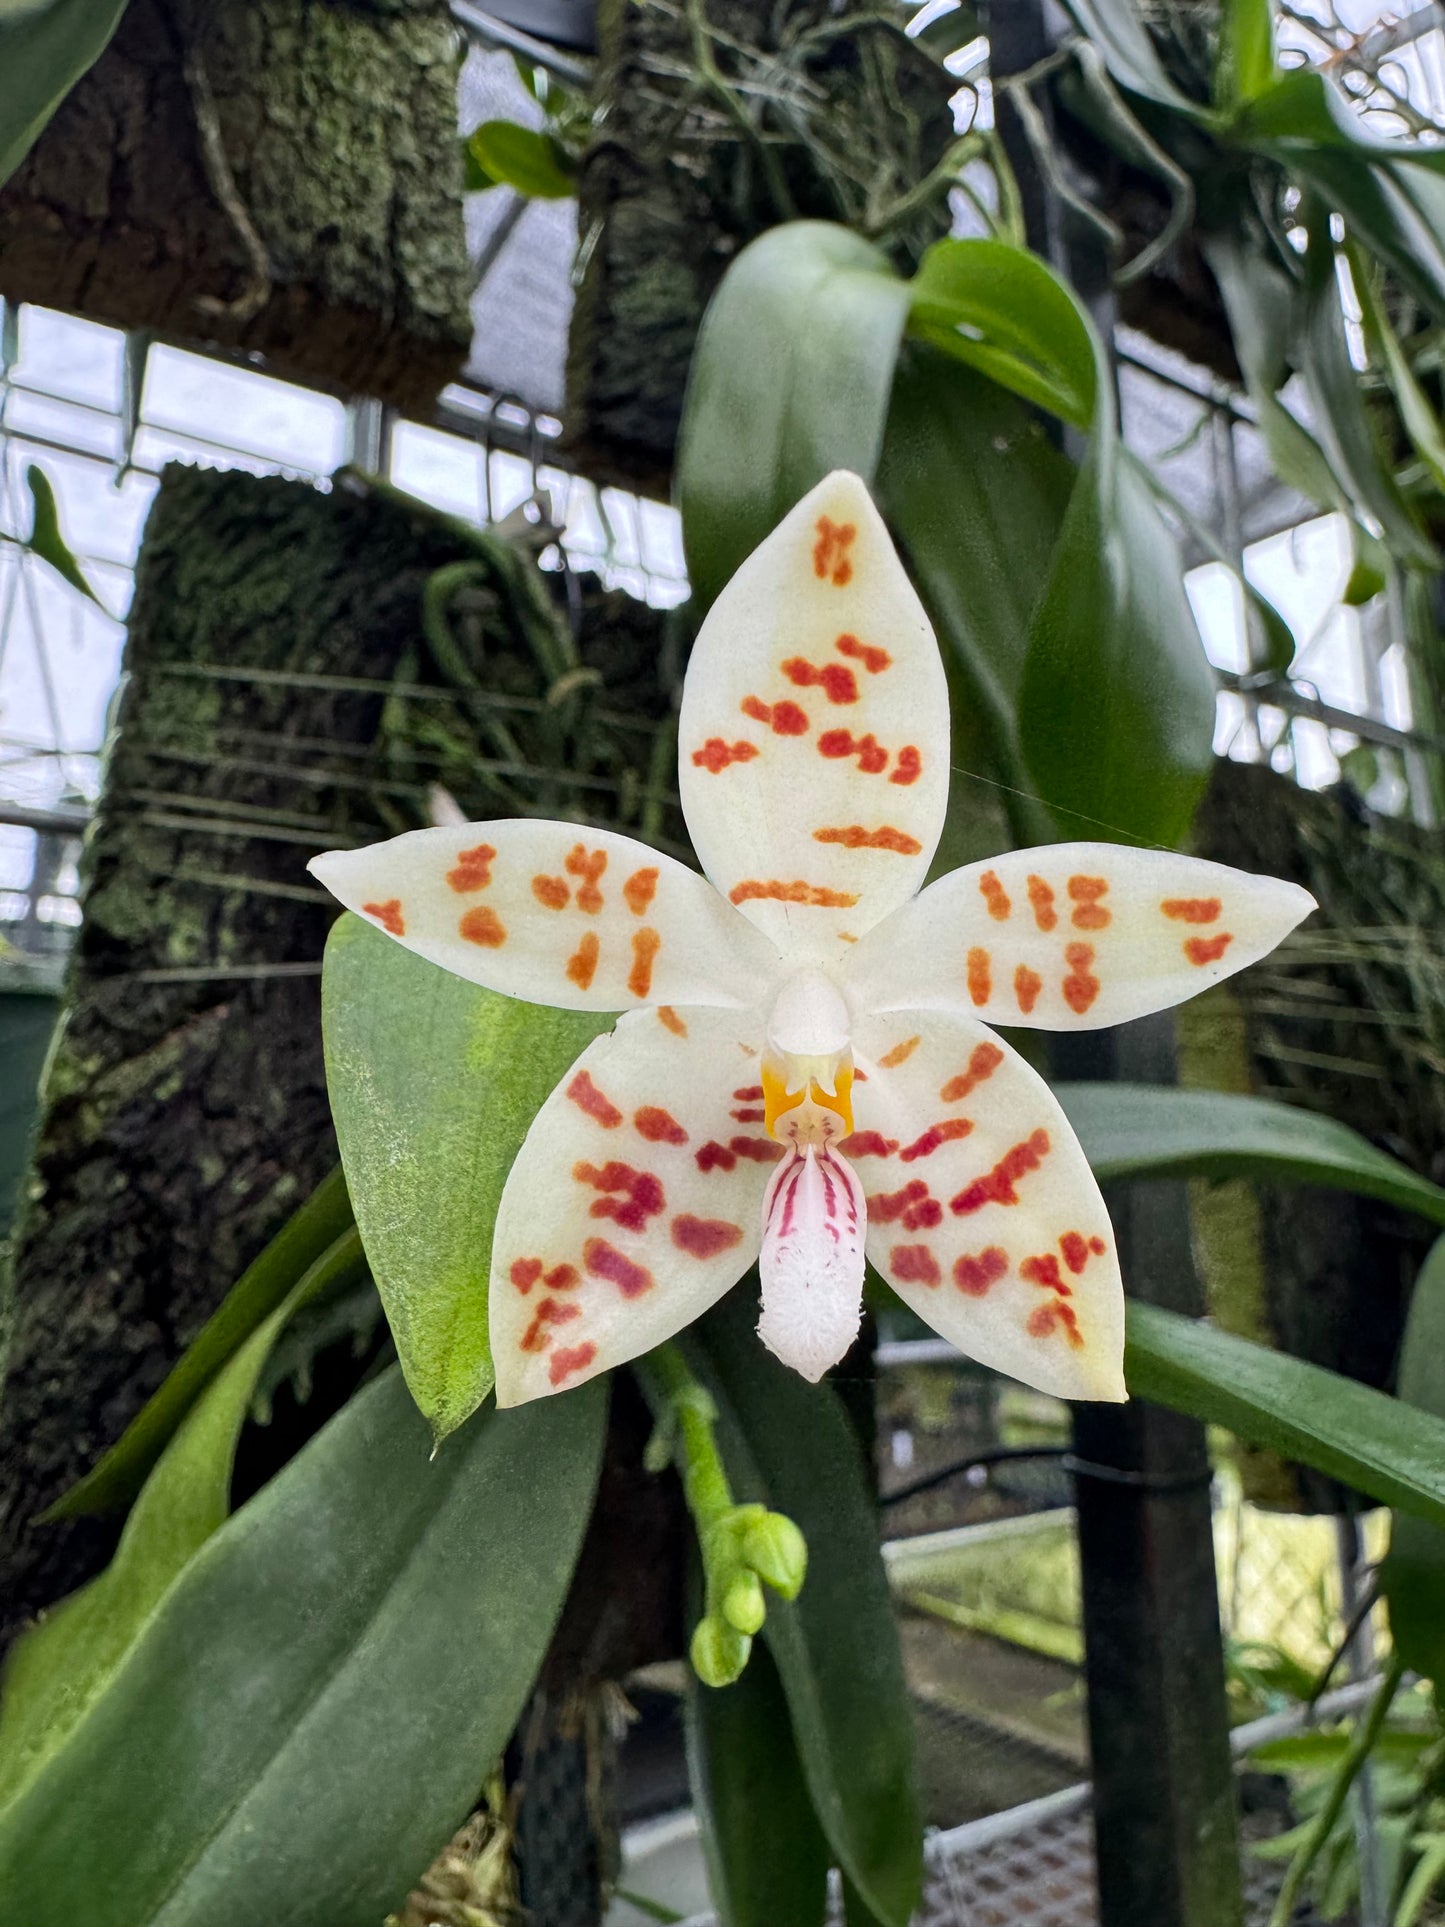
(275, 175)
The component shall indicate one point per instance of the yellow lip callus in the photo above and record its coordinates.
(807, 1100)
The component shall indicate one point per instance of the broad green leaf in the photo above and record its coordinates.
(790, 379)
(1418, 418)
(1413, 1575)
(788, 1445)
(1379, 1445)
(62, 1665)
(44, 50)
(46, 540)
(767, 1859)
(309, 1715)
(502, 153)
(433, 1085)
(976, 495)
(1147, 1131)
(1005, 312)
(313, 1234)
(1116, 710)
(1246, 52)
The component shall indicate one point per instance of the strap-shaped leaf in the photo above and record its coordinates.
(767, 1859)
(1380, 1445)
(433, 1084)
(788, 1445)
(44, 50)
(309, 1715)
(1145, 1131)
(790, 379)
(313, 1235)
(1413, 1575)
(62, 1665)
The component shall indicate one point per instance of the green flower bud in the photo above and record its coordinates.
(778, 1553)
(719, 1652)
(742, 1603)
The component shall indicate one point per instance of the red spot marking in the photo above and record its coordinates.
(642, 1194)
(1081, 987)
(1098, 1247)
(525, 1272)
(1075, 1248)
(974, 1275)
(980, 981)
(900, 1053)
(835, 679)
(887, 1206)
(585, 1094)
(605, 1261)
(855, 837)
(588, 865)
(562, 1278)
(868, 1144)
(551, 892)
(645, 946)
(1027, 985)
(1192, 909)
(714, 1156)
(1044, 1270)
(875, 661)
(669, 1019)
(995, 896)
(815, 895)
(984, 1060)
(1041, 900)
(1044, 1320)
(936, 1134)
(784, 719)
(748, 1093)
(749, 1114)
(997, 1185)
(914, 1265)
(474, 868)
(658, 1126)
(704, 1237)
(568, 1360)
(549, 1312)
(715, 754)
(908, 768)
(483, 926)
(1207, 950)
(1089, 912)
(872, 757)
(582, 964)
(830, 552)
(860, 1077)
(761, 1150)
(639, 889)
(388, 915)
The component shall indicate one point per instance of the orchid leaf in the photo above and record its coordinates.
(788, 1445)
(1379, 1445)
(306, 1719)
(313, 1235)
(44, 49)
(62, 1665)
(46, 539)
(767, 1858)
(1246, 52)
(502, 153)
(433, 1084)
(1145, 1131)
(790, 379)
(1413, 1575)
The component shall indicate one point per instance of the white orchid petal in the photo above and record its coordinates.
(558, 914)
(1072, 936)
(634, 1202)
(814, 735)
(812, 1261)
(983, 1213)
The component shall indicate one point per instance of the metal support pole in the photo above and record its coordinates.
(1165, 1822)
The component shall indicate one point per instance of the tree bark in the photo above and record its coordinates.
(278, 176)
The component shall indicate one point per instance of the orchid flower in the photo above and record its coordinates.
(804, 1073)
